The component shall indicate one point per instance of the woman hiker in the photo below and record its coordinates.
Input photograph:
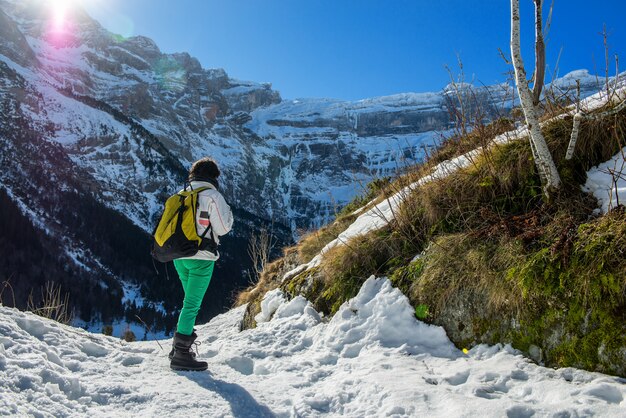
(195, 272)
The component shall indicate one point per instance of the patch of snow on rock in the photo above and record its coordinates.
(607, 182)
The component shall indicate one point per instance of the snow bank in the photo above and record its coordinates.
(607, 182)
(381, 315)
(271, 301)
(371, 359)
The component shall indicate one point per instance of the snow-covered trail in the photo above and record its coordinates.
(371, 359)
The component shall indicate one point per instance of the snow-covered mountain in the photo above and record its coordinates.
(300, 159)
(96, 130)
(372, 359)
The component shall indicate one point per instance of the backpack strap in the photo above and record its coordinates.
(206, 243)
(205, 231)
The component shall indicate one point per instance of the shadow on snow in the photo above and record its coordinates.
(241, 402)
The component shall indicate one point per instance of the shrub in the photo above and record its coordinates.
(52, 304)
(128, 335)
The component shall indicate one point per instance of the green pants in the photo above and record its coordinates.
(195, 276)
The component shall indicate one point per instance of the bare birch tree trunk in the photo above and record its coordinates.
(543, 159)
(574, 137)
(576, 127)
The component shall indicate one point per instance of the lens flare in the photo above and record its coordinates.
(59, 10)
(61, 25)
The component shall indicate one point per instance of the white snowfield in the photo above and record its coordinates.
(372, 359)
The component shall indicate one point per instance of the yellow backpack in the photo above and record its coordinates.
(176, 235)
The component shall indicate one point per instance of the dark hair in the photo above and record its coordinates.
(204, 169)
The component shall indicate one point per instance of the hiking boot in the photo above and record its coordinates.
(171, 354)
(184, 358)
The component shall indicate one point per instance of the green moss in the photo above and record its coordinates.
(421, 311)
(566, 291)
(593, 273)
(539, 275)
(581, 338)
(404, 277)
(302, 284)
(580, 303)
(339, 292)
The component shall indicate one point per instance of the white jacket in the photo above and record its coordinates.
(214, 211)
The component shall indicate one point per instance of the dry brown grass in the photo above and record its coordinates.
(269, 279)
(312, 243)
(458, 264)
(480, 136)
(53, 304)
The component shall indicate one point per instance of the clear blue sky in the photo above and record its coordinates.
(354, 49)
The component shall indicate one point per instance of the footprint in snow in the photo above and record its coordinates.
(132, 361)
(136, 350)
(243, 365)
(520, 411)
(327, 360)
(71, 386)
(458, 379)
(319, 375)
(210, 353)
(606, 393)
(352, 351)
(519, 375)
(93, 350)
(396, 411)
(35, 328)
(491, 391)
(486, 392)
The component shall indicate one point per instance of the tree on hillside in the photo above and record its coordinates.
(530, 99)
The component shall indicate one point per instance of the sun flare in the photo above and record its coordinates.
(59, 10)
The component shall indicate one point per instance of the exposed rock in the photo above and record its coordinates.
(13, 44)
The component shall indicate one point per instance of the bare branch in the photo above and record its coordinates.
(540, 54)
(504, 57)
(148, 329)
(576, 128)
(259, 249)
(6, 284)
(546, 29)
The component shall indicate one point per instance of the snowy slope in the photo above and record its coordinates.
(371, 359)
